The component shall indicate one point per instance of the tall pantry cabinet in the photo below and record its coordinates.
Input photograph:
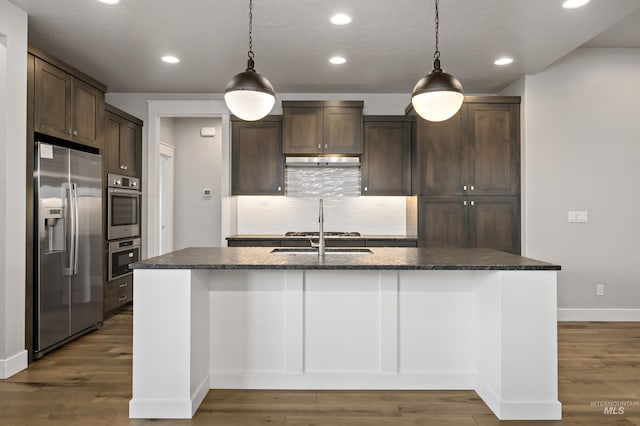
(466, 173)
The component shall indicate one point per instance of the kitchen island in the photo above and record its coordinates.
(390, 318)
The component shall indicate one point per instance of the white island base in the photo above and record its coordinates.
(492, 331)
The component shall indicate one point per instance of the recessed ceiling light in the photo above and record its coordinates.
(574, 4)
(340, 19)
(503, 61)
(170, 59)
(109, 1)
(337, 60)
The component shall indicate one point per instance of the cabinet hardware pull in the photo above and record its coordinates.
(70, 131)
(464, 188)
(75, 133)
(123, 285)
(473, 187)
(279, 189)
(473, 203)
(366, 188)
(464, 203)
(123, 167)
(319, 146)
(121, 298)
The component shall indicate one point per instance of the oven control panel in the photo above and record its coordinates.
(118, 181)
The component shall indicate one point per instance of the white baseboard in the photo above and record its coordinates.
(14, 364)
(342, 381)
(612, 315)
(169, 408)
(518, 410)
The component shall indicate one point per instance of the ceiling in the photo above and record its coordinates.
(388, 46)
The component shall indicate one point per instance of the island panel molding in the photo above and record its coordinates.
(341, 328)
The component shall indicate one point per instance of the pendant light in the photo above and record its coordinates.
(249, 95)
(438, 95)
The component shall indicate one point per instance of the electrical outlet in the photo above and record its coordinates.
(599, 289)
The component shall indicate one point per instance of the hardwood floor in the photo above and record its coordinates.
(88, 382)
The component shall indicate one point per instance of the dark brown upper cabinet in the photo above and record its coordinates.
(386, 162)
(492, 132)
(123, 143)
(322, 127)
(476, 152)
(66, 106)
(257, 161)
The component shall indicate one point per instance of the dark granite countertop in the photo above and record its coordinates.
(380, 259)
(271, 237)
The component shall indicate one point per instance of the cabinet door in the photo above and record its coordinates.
(88, 114)
(443, 222)
(130, 149)
(440, 156)
(257, 161)
(494, 223)
(493, 141)
(302, 130)
(386, 164)
(52, 100)
(342, 130)
(111, 157)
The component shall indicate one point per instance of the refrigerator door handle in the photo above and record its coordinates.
(76, 228)
(70, 233)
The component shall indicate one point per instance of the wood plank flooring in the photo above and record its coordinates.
(88, 382)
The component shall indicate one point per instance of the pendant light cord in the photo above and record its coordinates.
(436, 54)
(250, 53)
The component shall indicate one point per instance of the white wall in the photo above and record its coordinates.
(197, 165)
(13, 124)
(518, 88)
(167, 131)
(582, 153)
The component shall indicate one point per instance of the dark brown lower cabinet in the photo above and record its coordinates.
(330, 242)
(459, 221)
(118, 293)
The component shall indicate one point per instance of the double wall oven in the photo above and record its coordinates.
(123, 224)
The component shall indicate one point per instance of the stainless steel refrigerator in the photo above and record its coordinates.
(68, 271)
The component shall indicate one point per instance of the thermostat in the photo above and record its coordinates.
(208, 132)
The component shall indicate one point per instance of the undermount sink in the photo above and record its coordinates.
(329, 250)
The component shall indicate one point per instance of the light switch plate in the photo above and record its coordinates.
(578, 217)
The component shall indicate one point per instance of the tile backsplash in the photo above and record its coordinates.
(277, 215)
(322, 182)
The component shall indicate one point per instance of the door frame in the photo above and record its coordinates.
(168, 151)
(150, 199)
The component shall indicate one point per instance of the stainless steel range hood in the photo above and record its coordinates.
(322, 161)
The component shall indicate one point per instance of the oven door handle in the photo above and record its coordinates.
(125, 191)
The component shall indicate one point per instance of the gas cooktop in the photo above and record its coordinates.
(326, 234)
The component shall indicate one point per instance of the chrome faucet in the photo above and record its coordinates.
(321, 250)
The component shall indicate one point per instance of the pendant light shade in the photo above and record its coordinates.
(438, 95)
(249, 95)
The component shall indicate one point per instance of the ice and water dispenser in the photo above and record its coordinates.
(54, 224)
